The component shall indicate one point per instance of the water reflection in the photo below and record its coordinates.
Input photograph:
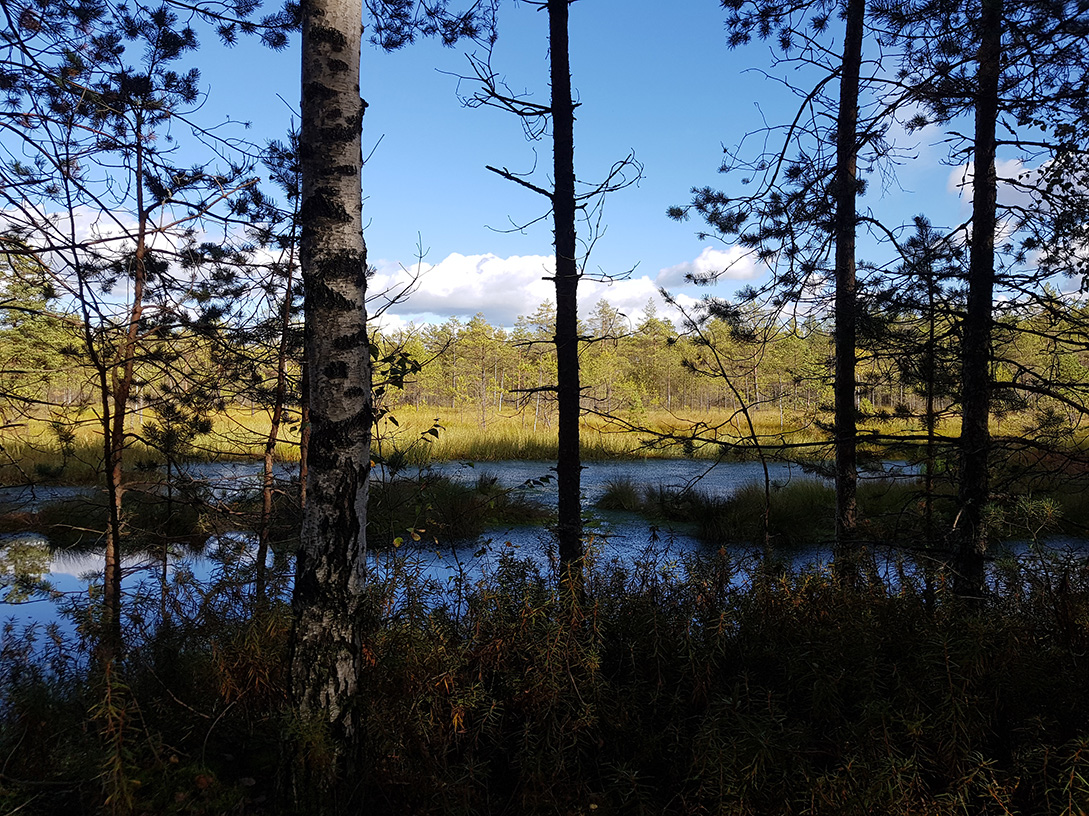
(25, 561)
(34, 575)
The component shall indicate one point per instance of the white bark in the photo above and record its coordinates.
(330, 575)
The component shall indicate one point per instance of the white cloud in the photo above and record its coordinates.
(925, 146)
(1013, 179)
(734, 264)
(629, 297)
(504, 288)
(462, 285)
(103, 230)
(499, 288)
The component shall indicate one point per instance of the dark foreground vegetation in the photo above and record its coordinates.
(716, 686)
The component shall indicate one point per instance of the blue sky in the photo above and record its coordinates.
(653, 79)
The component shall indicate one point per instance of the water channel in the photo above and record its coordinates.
(611, 534)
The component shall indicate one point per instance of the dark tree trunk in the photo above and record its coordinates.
(846, 554)
(975, 434)
(327, 654)
(116, 380)
(568, 466)
(279, 403)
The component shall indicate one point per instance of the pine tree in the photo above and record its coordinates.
(1017, 69)
(805, 207)
(95, 96)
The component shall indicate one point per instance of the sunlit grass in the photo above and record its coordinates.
(497, 437)
(32, 451)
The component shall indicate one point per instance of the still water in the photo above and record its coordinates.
(611, 535)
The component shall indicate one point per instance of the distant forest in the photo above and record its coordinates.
(632, 366)
(635, 364)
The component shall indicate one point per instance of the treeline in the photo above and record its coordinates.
(758, 361)
(632, 367)
(629, 365)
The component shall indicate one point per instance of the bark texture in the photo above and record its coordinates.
(847, 294)
(975, 434)
(568, 465)
(327, 654)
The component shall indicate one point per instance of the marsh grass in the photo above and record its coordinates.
(710, 688)
(30, 460)
(507, 436)
(69, 451)
(423, 506)
(79, 523)
(802, 512)
(436, 508)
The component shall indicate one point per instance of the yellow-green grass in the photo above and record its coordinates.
(31, 450)
(496, 437)
(656, 434)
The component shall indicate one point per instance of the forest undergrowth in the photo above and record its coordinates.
(672, 685)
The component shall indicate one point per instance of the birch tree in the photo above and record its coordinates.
(330, 574)
(327, 654)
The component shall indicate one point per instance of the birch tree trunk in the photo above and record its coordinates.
(326, 659)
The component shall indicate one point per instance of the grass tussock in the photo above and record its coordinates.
(408, 507)
(436, 508)
(150, 519)
(801, 513)
(708, 689)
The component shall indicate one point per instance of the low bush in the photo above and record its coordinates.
(712, 686)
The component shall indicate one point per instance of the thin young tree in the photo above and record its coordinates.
(914, 324)
(91, 182)
(261, 335)
(845, 186)
(282, 160)
(805, 208)
(566, 203)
